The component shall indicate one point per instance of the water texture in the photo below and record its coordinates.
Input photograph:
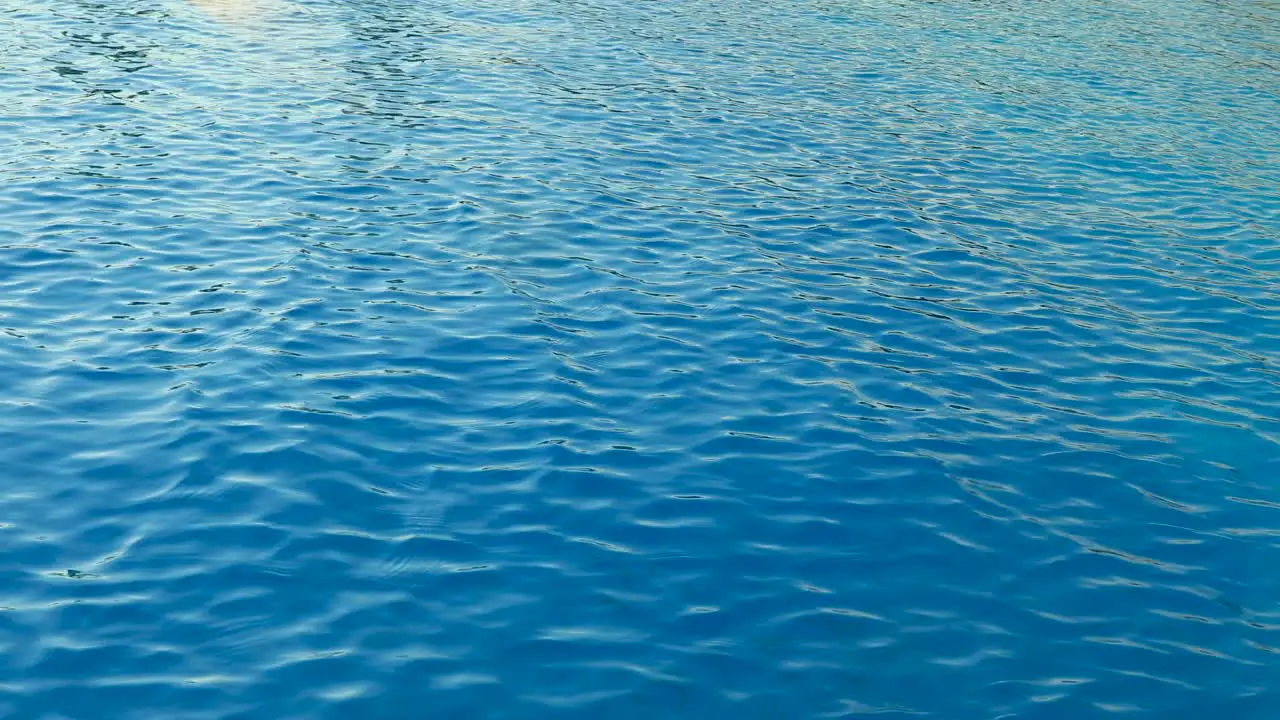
(612, 359)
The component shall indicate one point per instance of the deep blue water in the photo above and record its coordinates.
(606, 359)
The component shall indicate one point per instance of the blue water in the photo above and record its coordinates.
(606, 359)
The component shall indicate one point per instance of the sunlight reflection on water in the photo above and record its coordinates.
(240, 12)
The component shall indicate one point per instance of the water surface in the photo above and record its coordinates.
(599, 359)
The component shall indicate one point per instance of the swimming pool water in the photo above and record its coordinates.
(604, 359)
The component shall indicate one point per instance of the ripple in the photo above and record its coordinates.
(589, 358)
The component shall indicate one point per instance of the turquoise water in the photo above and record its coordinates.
(602, 359)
